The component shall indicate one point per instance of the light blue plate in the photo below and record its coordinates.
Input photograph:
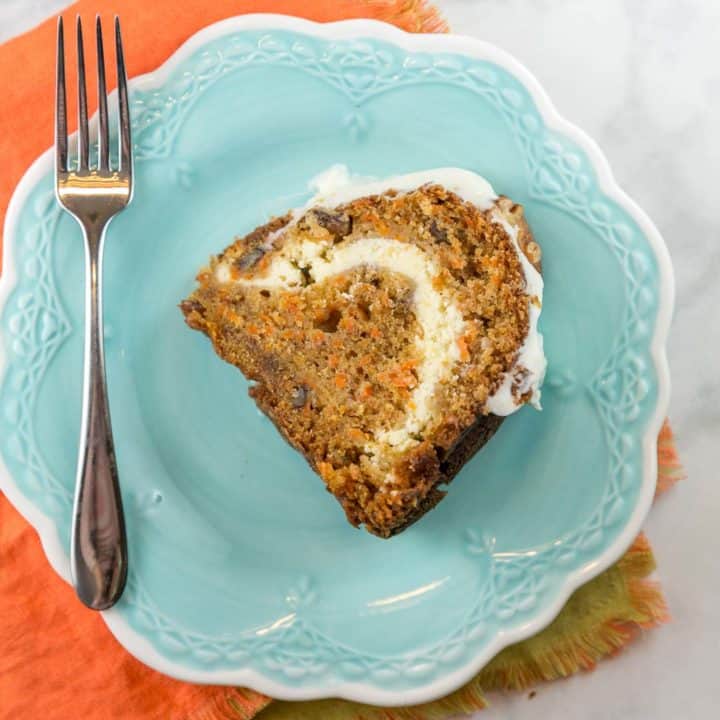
(243, 568)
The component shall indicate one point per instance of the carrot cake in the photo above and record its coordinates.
(388, 327)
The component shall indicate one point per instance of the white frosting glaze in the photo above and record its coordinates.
(335, 186)
(531, 355)
(441, 322)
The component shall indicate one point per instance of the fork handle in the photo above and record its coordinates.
(99, 543)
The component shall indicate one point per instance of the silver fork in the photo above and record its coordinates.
(93, 196)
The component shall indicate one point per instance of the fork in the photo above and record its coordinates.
(93, 196)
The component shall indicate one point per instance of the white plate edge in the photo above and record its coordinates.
(140, 647)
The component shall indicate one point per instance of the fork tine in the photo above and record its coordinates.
(60, 104)
(123, 107)
(83, 139)
(103, 135)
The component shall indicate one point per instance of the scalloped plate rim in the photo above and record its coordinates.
(367, 692)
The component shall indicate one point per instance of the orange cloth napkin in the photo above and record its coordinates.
(58, 661)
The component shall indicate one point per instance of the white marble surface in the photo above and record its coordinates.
(643, 78)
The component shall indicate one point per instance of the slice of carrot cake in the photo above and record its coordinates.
(388, 327)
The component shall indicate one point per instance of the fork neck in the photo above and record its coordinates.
(94, 234)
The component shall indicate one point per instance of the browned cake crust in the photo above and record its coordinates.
(335, 362)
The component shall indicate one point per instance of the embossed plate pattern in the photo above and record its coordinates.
(243, 569)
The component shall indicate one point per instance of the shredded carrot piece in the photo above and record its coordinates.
(341, 380)
(230, 316)
(456, 261)
(400, 375)
(464, 352)
(347, 323)
(356, 434)
(291, 304)
(366, 391)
